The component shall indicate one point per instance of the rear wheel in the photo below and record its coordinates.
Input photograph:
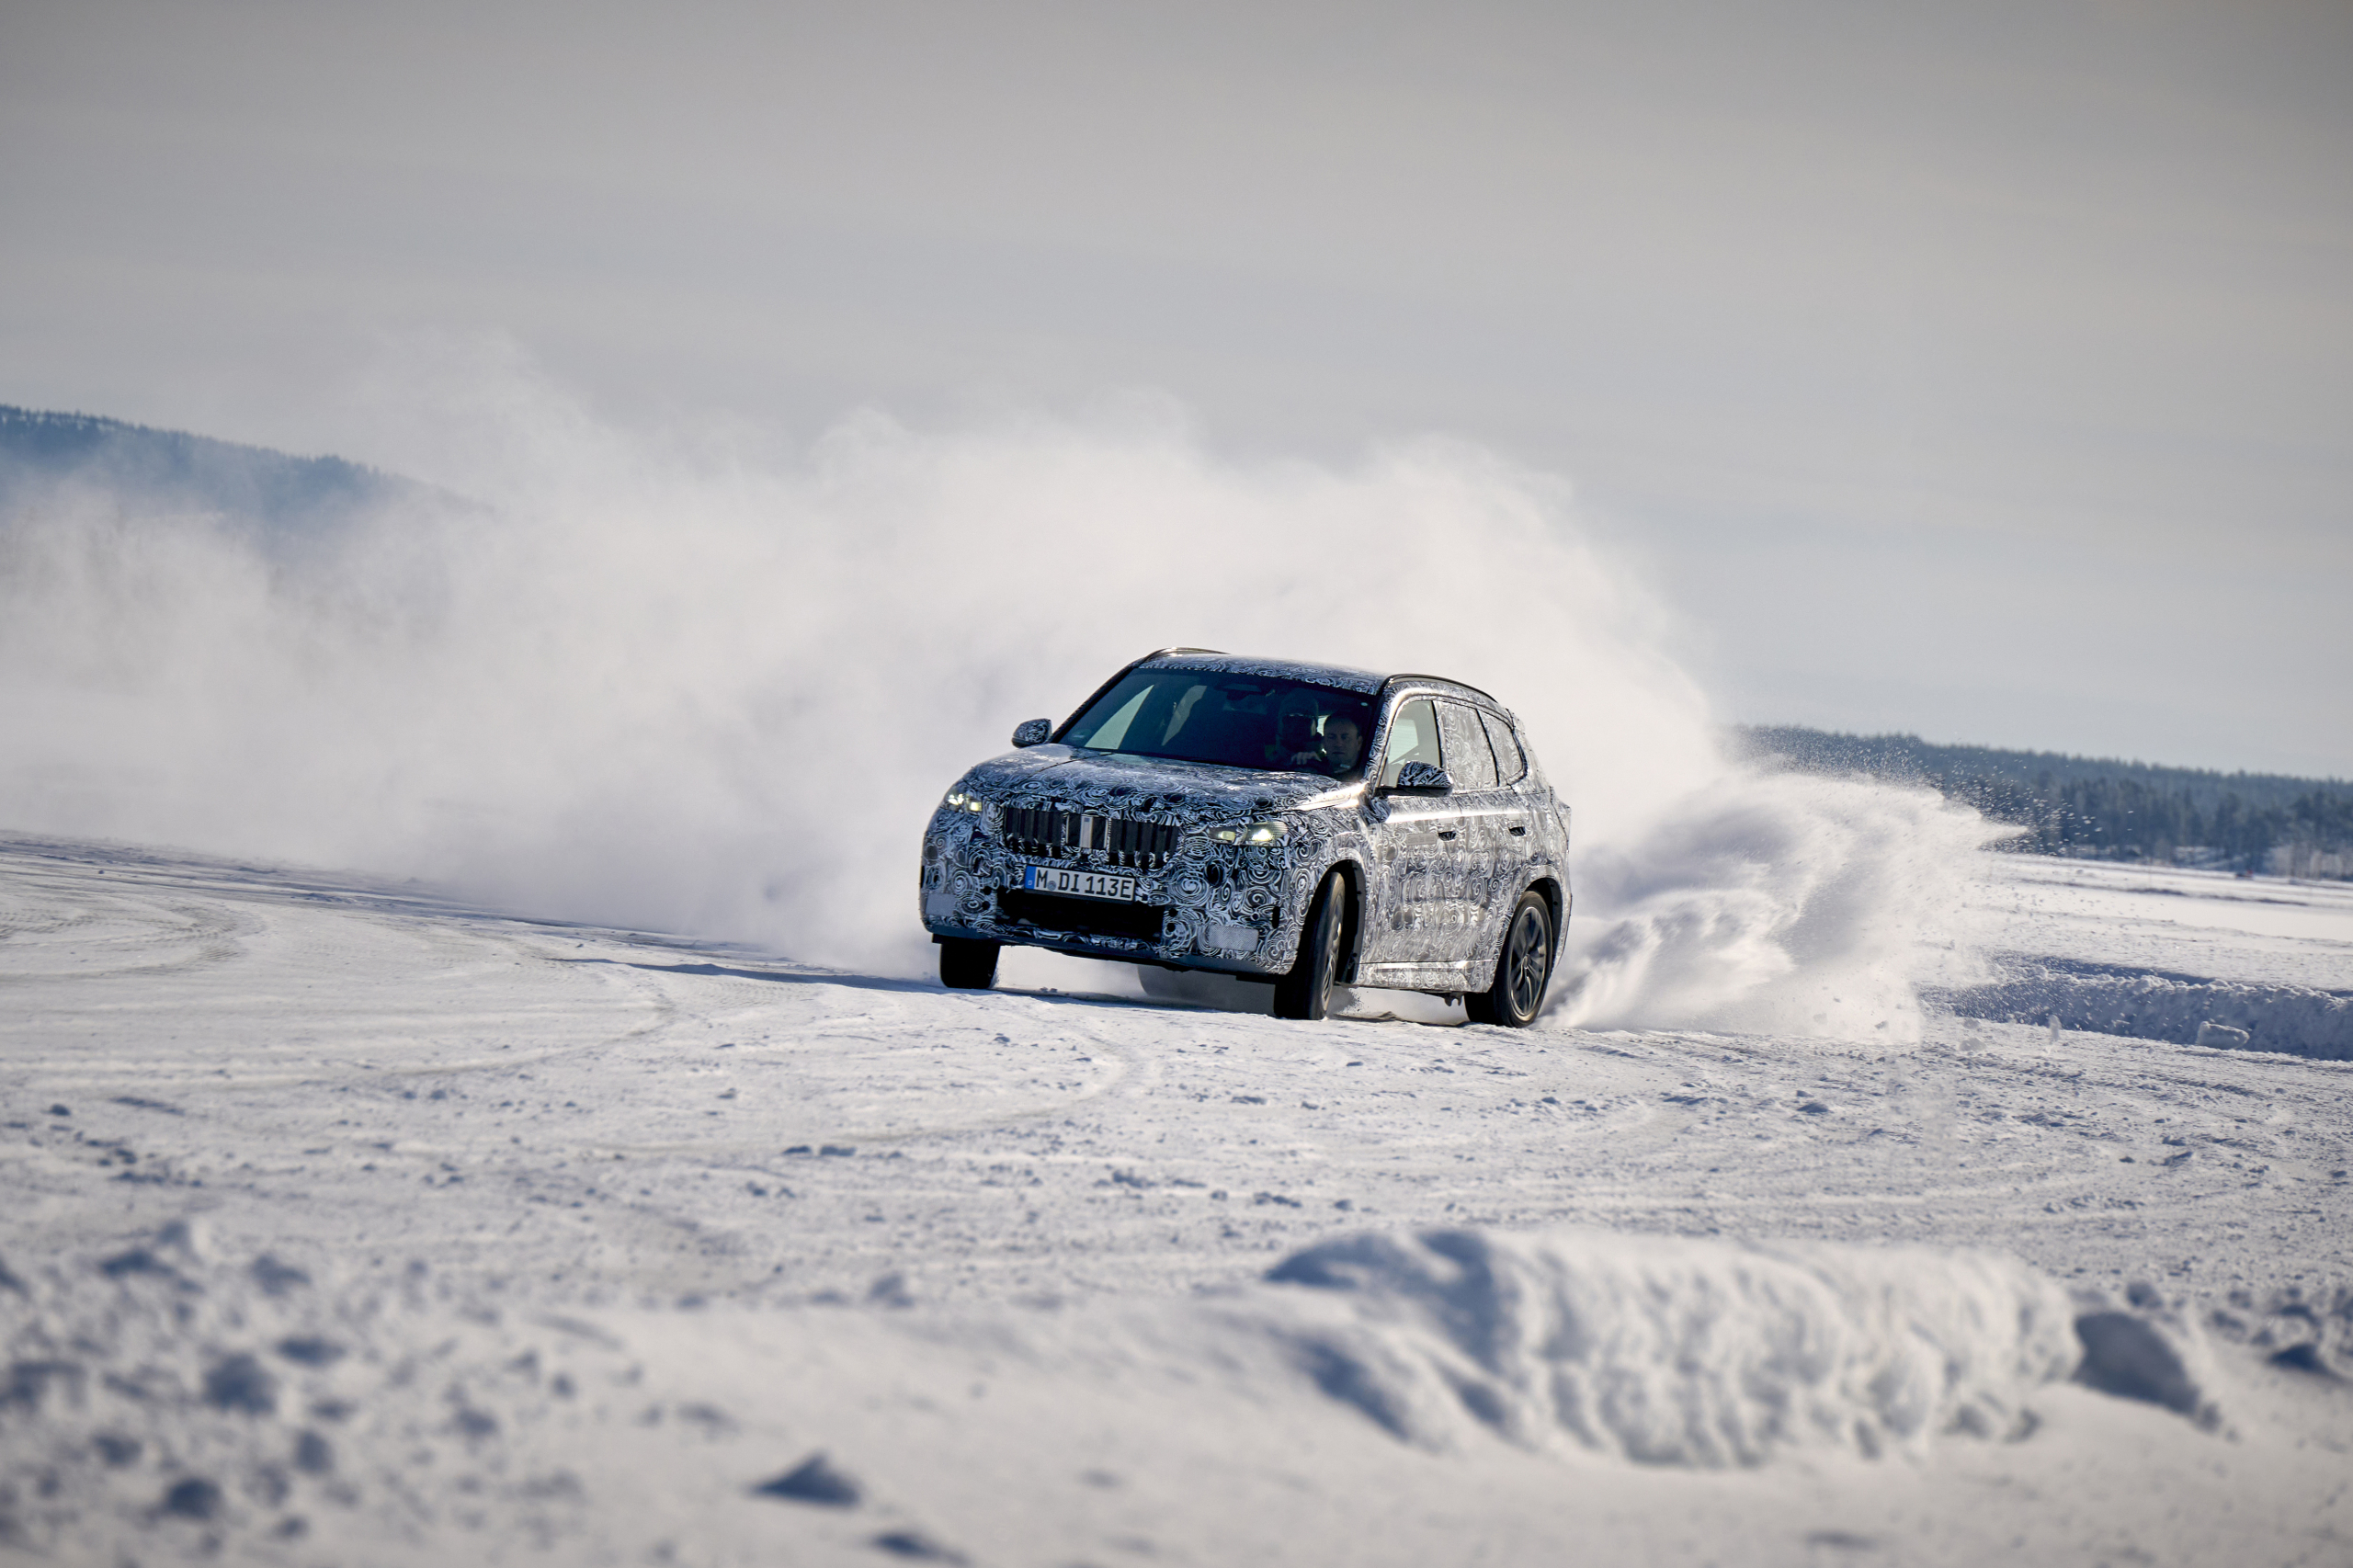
(1306, 991)
(967, 965)
(1522, 969)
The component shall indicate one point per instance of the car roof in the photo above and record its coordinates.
(1371, 683)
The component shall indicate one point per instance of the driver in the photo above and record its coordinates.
(1336, 750)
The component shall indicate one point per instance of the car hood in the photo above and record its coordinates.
(1149, 785)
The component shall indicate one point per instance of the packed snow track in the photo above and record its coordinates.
(349, 1223)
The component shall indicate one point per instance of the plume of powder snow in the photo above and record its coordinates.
(715, 684)
(1778, 902)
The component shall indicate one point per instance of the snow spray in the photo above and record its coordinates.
(713, 685)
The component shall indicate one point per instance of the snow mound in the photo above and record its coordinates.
(1678, 1352)
(2182, 1009)
(2300, 1328)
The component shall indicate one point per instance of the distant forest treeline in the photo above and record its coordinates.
(163, 472)
(2101, 808)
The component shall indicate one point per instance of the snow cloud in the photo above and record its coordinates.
(714, 685)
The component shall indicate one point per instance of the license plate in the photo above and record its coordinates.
(1078, 883)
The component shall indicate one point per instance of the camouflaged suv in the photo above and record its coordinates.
(1303, 824)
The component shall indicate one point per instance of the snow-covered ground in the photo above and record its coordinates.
(2254, 931)
(2172, 955)
(346, 1223)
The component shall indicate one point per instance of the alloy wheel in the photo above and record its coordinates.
(1527, 961)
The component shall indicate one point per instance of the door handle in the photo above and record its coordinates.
(1519, 831)
(1446, 833)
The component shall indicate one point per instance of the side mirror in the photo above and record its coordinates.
(1035, 733)
(1424, 778)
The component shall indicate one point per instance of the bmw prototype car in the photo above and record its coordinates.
(1304, 825)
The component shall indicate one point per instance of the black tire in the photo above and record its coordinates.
(967, 965)
(1523, 969)
(1306, 991)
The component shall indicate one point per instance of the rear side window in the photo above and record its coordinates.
(1468, 760)
(1413, 737)
(1511, 766)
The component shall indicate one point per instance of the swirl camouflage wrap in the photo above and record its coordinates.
(1099, 850)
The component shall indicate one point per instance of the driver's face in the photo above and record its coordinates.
(1343, 741)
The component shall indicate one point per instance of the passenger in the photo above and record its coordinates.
(1294, 742)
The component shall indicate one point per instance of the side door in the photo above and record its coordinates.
(1538, 829)
(1415, 879)
(1485, 813)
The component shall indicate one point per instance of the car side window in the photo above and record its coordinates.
(1511, 765)
(1413, 737)
(1468, 760)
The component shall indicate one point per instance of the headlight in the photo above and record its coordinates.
(1256, 832)
(958, 800)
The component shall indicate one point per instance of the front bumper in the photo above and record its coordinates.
(1206, 905)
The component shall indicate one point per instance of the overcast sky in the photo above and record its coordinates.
(1981, 371)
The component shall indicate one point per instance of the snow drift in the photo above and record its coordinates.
(712, 686)
(1681, 1351)
(2183, 1009)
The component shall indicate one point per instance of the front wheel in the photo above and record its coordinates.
(967, 965)
(1306, 991)
(1522, 969)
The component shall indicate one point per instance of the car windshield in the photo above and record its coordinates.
(1233, 720)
